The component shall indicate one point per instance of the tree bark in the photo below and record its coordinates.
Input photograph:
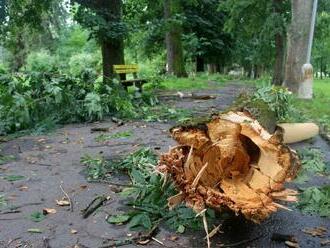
(279, 65)
(297, 43)
(112, 49)
(175, 61)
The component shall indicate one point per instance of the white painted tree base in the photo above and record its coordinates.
(305, 90)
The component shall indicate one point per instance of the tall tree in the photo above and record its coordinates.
(297, 42)
(24, 26)
(104, 19)
(173, 38)
(280, 36)
(205, 41)
(259, 27)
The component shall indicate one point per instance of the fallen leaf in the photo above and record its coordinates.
(49, 211)
(83, 186)
(292, 244)
(174, 238)
(23, 188)
(73, 231)
(63, 202)
(143, 242)
(325, 242)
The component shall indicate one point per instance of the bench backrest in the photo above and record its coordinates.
(125, 69)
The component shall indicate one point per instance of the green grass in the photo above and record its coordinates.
(317, 109)
(200, 81)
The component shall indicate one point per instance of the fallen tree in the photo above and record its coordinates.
(230, 162)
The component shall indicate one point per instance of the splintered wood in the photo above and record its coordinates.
(230, 162)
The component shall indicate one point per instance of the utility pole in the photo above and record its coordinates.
(305, 90)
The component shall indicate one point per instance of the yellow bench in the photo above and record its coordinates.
(129, 69)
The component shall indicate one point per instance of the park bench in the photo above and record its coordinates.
(129, 69)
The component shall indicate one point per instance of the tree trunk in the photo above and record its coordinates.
(175, 61)
(278, 76)
(112, 49)
(112, 54)
(199, 64)
(321, 68)
(211, 68)
(19, 53)
(297, 43)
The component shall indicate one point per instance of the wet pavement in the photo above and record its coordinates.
(48, 161)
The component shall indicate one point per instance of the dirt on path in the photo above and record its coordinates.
(48, 162)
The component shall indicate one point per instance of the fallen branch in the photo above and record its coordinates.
(68, 197)
(139, 239)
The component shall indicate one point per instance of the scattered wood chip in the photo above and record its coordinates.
(46, 211)
(83, 186)
(73, 231)
(143, 242)
(325, 242)
(64, 202)
(173, 238)
(23, 188)
(292, 244)
(316, 231)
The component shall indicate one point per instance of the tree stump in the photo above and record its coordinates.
(230, 162)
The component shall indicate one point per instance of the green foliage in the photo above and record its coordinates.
(106, 137)
(278, 99)
(83, 62)
(103, 20)
(37, 217)
(96, 167)
(164, 113)
(148, 196)
(6, 158)
(312, 161)
(40, 61)
(13, 178)
(30, 98)
(315, 200)
(3, 201)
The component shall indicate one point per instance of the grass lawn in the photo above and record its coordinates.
(200, 81)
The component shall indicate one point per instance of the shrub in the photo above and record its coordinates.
(40, 61)
(83, 63)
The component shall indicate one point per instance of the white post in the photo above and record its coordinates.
(306, 87)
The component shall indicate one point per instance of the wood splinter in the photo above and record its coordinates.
(230, 162)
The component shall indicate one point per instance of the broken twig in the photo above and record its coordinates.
(95, 204)
(68, 197)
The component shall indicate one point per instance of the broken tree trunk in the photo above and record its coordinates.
(232, 162)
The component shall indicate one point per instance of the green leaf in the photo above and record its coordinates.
(119, 218)
(12, 178)
(34, 230)
(180, 229)
(37, 217)
(140, 219)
